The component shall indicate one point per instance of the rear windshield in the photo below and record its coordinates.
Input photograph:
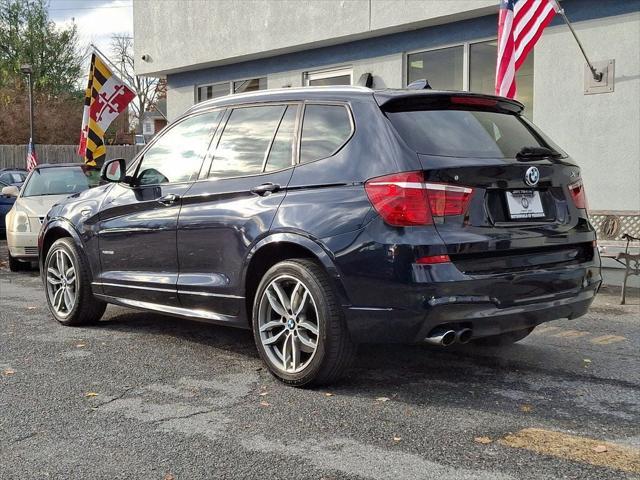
(462, 133)
(58, 181)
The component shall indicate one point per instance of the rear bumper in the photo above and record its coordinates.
(489, 305)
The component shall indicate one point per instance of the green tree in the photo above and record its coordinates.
(28, 36)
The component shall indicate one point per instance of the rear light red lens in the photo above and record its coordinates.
(404, 199)
(448, 199)
(576, 190)
(400, 199)
(478, 101)
(433, 259)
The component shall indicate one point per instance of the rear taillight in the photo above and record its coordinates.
(404, 199)
(433, 259)
(447, 200)
(576, 190)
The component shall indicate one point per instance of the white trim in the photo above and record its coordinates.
(207, 294)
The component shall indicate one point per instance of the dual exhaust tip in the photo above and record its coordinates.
(445, 337)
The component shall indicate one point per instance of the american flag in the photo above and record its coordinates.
(520, 25)
(32, 159)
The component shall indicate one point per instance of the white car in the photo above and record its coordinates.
(43, 188)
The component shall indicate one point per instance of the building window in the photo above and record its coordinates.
(443, 68)
(147, 127)
(250, 85)
(207, 92)
(469, 67)
(337, 76)
(482, 73)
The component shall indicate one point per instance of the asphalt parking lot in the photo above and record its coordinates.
(142, 396)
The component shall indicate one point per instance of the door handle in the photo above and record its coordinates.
(169, 199)
(265, 189)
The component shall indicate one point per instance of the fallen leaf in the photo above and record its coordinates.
(31, 307)
(397, 438)
(265, 404)
(328, 394)
(600, 448)
(482, 440)
(586, 360)
(91, 394)
(382, 399)
(169, 476)
(526, 408)
(8, 371)
(80, 345)
(262, 394)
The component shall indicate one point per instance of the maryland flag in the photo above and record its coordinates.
(105, 98)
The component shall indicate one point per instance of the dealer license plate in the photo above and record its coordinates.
(524, 204)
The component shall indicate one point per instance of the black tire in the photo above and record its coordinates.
(504, 339)
(335, 350)
(16, 265)
(87, 309)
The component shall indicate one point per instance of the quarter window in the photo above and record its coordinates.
(246, 137)
(324, 130)
(177, 155)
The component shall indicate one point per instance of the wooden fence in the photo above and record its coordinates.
(16, 155)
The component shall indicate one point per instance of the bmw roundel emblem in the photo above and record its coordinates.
(532, 176)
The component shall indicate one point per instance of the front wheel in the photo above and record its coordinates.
(68, 286)
(298, 325)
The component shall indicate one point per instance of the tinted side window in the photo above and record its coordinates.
(245, 139)
(324, 130)
(282, 147)
(177, 155)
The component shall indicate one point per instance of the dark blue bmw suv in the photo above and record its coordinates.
(325, 217)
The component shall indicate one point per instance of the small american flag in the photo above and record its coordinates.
(520, 25)
(32, 159)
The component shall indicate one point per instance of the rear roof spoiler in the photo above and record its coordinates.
(390, 100)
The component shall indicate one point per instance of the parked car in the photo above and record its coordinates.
(6, 202)
(13, 176)
(45, 186)
(323, 217)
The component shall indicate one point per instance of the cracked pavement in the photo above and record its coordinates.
(144, 396)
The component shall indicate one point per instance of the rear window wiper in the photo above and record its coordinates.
(530, 153)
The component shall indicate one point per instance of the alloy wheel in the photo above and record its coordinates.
(61, 283)
(288, 323)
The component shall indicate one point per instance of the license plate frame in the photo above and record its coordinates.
(524, 205)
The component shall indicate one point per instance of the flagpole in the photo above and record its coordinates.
(597, 76)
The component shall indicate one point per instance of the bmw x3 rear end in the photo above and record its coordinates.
(325, 217)
(481, 235)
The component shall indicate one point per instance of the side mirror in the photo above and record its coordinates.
(11, 191)
(114, 170)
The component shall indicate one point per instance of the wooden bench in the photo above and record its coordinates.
(618, 235)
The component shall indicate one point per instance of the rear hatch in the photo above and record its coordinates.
(522, 205)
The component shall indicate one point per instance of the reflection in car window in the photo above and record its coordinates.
(177, 155)
(58, 181)
(281, 150)
(245, 139)
(325, 129)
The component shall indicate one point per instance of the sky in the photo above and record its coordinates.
(97, 20)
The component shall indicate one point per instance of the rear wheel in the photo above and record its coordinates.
(68, 286)
(507, 338)
(298, 325)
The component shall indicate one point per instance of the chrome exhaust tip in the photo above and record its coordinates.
(464, 336)
(441, 336)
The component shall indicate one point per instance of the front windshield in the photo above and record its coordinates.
(58, 181)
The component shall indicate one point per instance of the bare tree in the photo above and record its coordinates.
(147, 88)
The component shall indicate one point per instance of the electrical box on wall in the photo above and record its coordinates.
(605, 85)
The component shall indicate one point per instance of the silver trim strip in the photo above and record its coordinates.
(207, 294)
(369, 309)
(168, 310)
(137, 287)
